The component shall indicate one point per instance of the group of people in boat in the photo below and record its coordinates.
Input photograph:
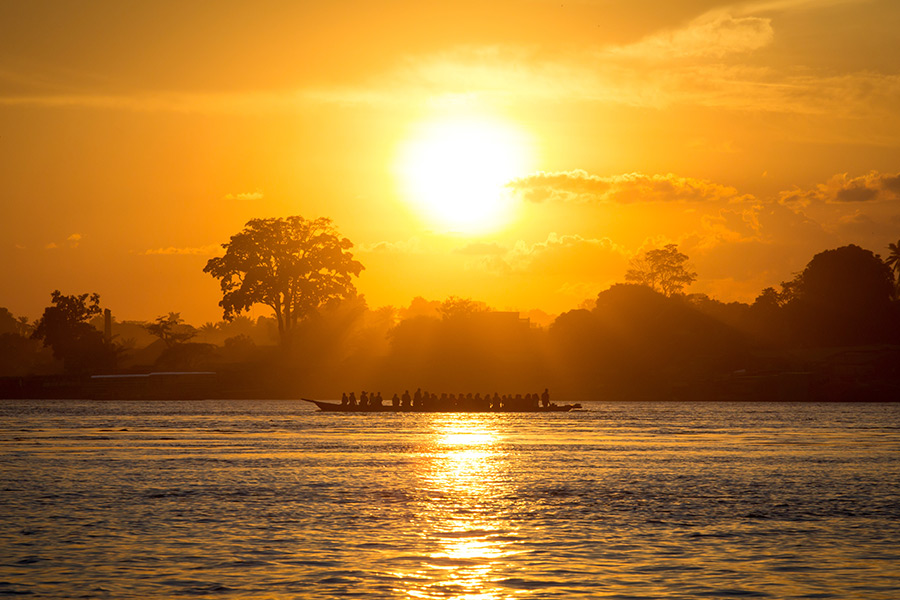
(426, 401)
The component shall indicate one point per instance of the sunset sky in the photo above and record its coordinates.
(519, 153)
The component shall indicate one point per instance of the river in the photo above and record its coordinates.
(271, 499)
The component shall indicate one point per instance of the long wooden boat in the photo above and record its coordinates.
(326, 406)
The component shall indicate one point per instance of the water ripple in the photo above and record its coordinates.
(271, 500)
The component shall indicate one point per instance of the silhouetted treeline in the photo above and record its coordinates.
(831, 332)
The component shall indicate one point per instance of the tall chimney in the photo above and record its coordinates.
(107, 325)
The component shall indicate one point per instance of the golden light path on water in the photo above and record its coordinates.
(465, 474)
(260, 499)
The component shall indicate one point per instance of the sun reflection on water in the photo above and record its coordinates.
(464, 480)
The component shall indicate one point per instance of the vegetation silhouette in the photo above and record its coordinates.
(171, 329)
(65, 329)
(893, 261)
(842, 298)
(469, 348)
(19, 354)
(664, 270)
(292, 265)
(638, 343)
(830, 332)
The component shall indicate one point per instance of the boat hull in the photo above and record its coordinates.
(326, 406)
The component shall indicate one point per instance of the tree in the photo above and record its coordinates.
(893, 261)
(663, 270)
(11, 324)
(292, 265)
(65, 329)
(171, 329)
(843, 297)
(769, 299)
(455, 307)
(849, 277)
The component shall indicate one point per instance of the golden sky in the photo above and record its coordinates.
(519, 153)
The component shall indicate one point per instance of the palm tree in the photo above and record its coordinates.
(893, 261)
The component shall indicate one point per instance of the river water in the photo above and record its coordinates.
(270, 499)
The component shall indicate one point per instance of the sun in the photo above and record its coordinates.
(454, 171)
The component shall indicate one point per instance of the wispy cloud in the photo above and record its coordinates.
(557, 253)
(257, 195)
(481, 249)
(713, 34)
(412, 245)
(71, 241)
(841, 188)
(766, 6)
(208, 250)
(556, 241)
(249, 102)
(701, 63)
(581, 186)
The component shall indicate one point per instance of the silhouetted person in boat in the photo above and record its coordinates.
(417, 398)
(377, 400)
(395, 400)
(406, 400)
(545, 398)
(352, 399)
(364, 399)
(344, 400)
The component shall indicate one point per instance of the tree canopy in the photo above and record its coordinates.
(292, 265)
(842, 297)
(664, 270)
(850, 278)
(65, 329)
(455, 307)
(171, 329)
(893, 261)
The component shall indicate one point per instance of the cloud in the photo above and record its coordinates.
(713, 34)
(758, 6)
(703, 63)
(208, 250)
(768, 239)
(688, 66)
(859, 227)
(412, 245)
(481, 249)
(580, 186)
(555, 241)
(71, 241)
(557, 252)
(257, 195)
(177, 102)
(840, 189)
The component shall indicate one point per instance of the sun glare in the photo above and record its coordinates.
(455, 171)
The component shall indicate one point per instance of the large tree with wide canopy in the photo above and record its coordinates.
(293, 265)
